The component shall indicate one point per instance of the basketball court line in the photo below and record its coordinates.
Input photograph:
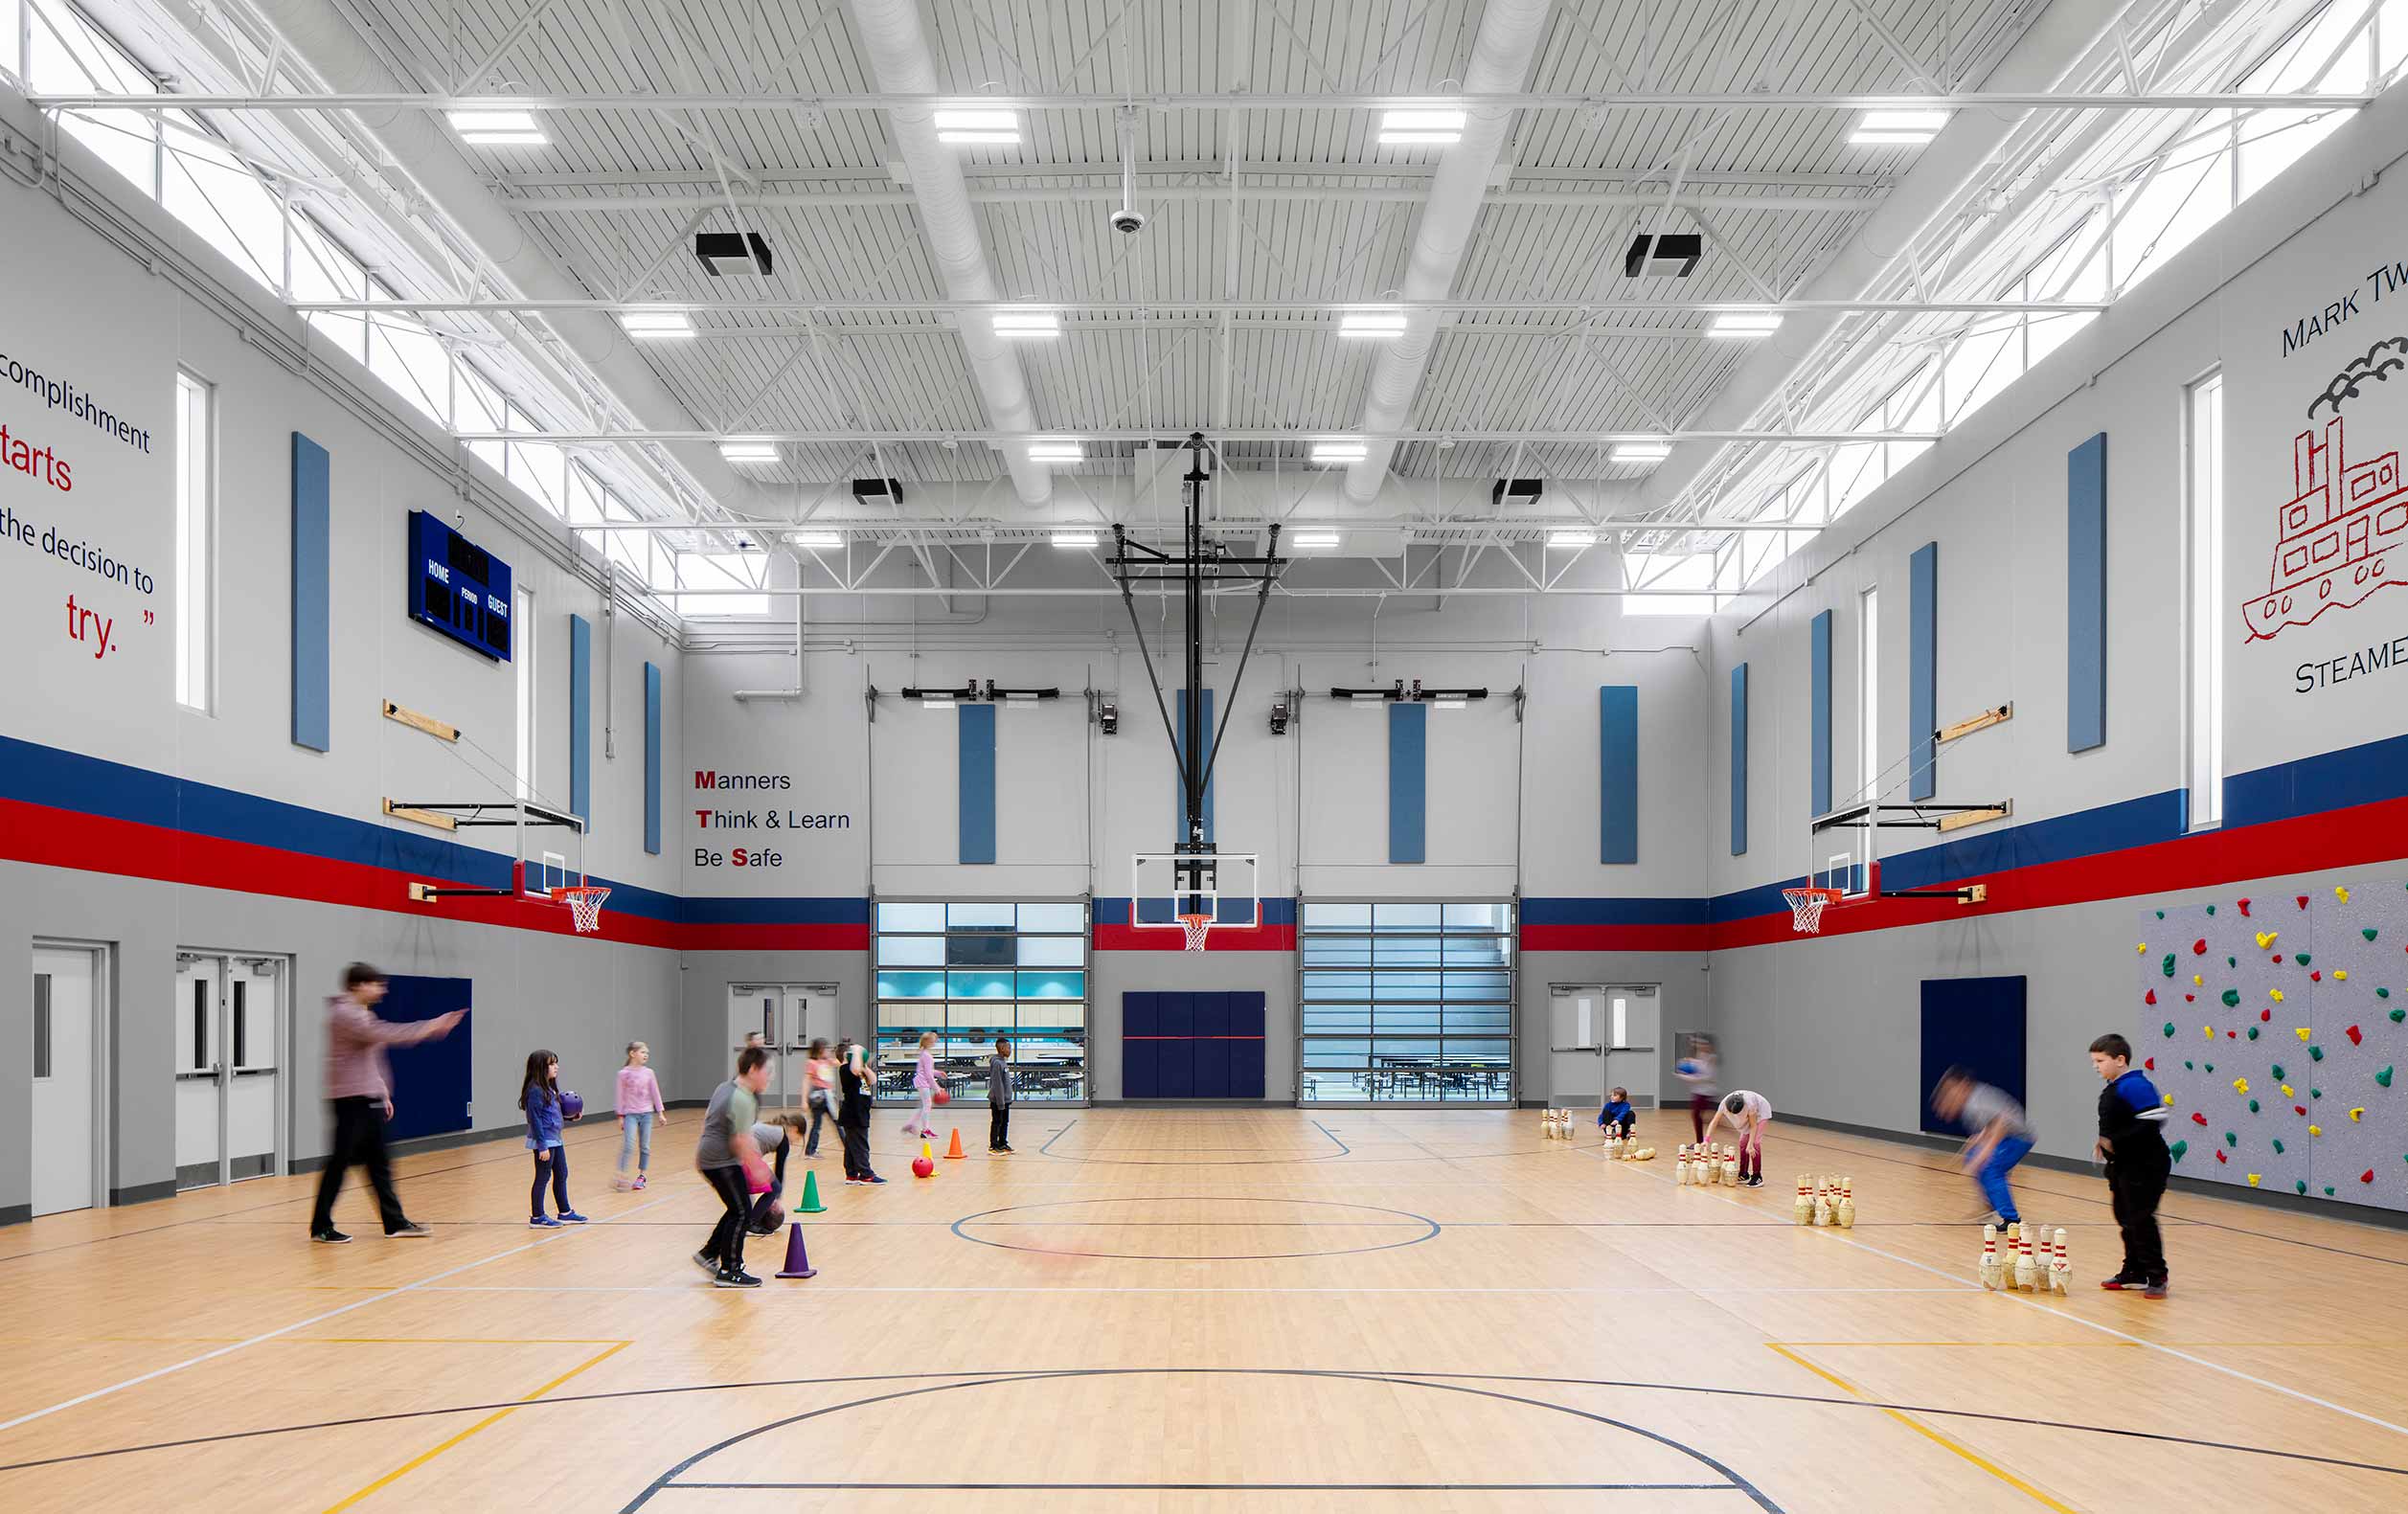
(173, 1368)
(492, 1419)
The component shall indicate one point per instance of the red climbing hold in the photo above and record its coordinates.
(2220, 1156)
(2232, 1036)
(2197, 1119)
(2368, 1176)
(2199, 948)
(2296, 1109)
(2149, 998)
(2151, 1064)
(2277, 956)
(2352, 1033)
(2190, 997)
(2244, 906)
(2316, 977)
(2265, 1014)
(2303, 898)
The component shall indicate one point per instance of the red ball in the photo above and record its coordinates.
(942, 1099)
(923, 1168)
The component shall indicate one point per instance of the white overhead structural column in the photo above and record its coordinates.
(2041, 58)
(327, 45)
(1501, 57)
(901, 59)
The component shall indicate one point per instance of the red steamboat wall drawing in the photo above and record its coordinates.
(2336, 534)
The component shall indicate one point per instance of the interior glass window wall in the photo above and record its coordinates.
(972, 970)
(1405, 1002)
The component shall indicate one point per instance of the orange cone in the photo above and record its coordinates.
(953, 1153)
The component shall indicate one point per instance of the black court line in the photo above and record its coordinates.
(1764, 1395)
(1431, 1231)
(1210, 1487)
(1734, 1482)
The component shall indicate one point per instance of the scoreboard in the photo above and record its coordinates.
(458, 587)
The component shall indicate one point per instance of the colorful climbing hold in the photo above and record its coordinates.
(2303, 1033)
(2244, 906)
(2315, 1054)
(2167, 964)
(2356, 1039)
(2210, 1029)
(2151, 1064)
(2279, 1074)
(2302, 900)
(2197, 1119)
(2149, 998)
(2253, 1106)
(2329, 1190)
(2299, 1184)
(2278, 1148)
(2252, 1180)
(2240, 1085)
(2315, 1092)
(2368, 933)
(2265, 1015)
(2211, 1067)
(2232, 996)
(2161, 914)
(2253, 1033)
(2398, 1015)
(2316, 977)
(2287, 1093)
(2190, 998)
(2141, 947)
(2368, 1176)
(2210, 908)
(2276, 994)
(2231, 962)
(2341, 975)
(2315, 1130)
(2356, 1112)
(2302, 957)
(2341, 893)
(2266, 938)
(2231, 1139)
(2199, 980)
(2383, 1078)
(2170, 1027)
(2178, 1148)
(2221, 1158)
(2299, 1110)
(2199, 948)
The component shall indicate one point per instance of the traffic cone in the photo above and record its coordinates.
(953, 1153)
(798, 1261)
(810, 1195)
(926, 1155)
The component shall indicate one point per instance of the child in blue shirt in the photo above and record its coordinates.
(539, 1096)
(2132, 1144)
(1618, 1114)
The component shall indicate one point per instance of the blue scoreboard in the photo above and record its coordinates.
(458, 587)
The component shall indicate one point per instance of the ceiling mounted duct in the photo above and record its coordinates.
(1515, 489)
(732, 254)
(1661, 253)
(890, 491)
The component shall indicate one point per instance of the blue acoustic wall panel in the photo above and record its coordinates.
(1923, 669)
(978, 782)
(431, 1080)
(1212, 1045)
(1408, 782)
(1140, 1036)
(1738, 760)
(1618, 773)
(2086, 595)
(1175, 1067)
(651, 759)
(1248, 1052)
(581, 720)
(1976, 1024)
(1192, 1045)
(1819, 715)
(312, 668)
(1178, 794)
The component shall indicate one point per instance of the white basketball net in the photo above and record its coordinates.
(1806, 909)
(1198, 927)
(585, 906)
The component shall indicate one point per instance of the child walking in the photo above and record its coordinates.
(730, 1160)
(1748, 1113)
(1698, 1069)
(2132, 1144)
(923, 1081)
(821, 1067)
(639, 1104)
(858, 1087)
(999, 1097)
(2002, 1136)
(539, 1096)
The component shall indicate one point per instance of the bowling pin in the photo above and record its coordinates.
(1804, 1209)
(1990, 1257)
(1680, 1167)
(2060, 1270)
(1731, 1169)
(1846, 1213)
(1822, 1207)
(2024, 1270)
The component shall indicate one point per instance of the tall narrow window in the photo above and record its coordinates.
(196, 593)
(2204, 619)
(523, 659)
(1869, 695)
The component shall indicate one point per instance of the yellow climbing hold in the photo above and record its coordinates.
(2315, 1130)
(2341, 975)
(2210, 1029)
(2168, 1101)
(2252, 1180)
(2341, 893)
(2286, 1092)
(2356, 1112)
(2142, 948)
(2240, 1085)
(2277, 995)
(2303, 1031)
(2266, 938)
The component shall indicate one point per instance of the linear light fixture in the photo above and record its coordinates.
(1572, 538)
(1743, 325)
(1420, 128)
(822, 539)
(1075, 540)
(1023, 324)
(1378, 325)
(1056, 452)
(749, 451)
(1641, 451)
(498, 129)
(996, 128)
(1337, 451)
(1317, 540)
(657, 326)
(1898, 128)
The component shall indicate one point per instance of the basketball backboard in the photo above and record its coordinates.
(1164, 885)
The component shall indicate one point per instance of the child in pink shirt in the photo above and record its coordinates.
(923, 1081)
(639, 1105)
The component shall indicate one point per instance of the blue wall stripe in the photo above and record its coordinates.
(1618, 773)
(1923, 669)
(1408, 782)
(581, 720)
(978, 782)
(652, 759)
(1178, 795)
(1738, 760)
(1819, 715)
(2086, 595)
(313, 487)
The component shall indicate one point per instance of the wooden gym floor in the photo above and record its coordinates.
(1331, 1309)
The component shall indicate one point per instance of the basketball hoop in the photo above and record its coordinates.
(1198, 927)
(1806, 907)
(585, 906)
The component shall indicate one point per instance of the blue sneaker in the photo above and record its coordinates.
(874, 1178)
(543, 1222)
(572, 1217)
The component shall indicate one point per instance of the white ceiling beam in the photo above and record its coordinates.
(1285, 434)
(1505, 100)
(1689, 199)
(501, 304)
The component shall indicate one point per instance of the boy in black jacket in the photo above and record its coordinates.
(2133, 1147)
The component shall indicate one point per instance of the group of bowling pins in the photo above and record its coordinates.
(2016, 1268)
(1623, 1148)
(1705, 1165)
(1555, 1124)
(1827, 1201)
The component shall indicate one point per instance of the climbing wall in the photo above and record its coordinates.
(2273, 1027)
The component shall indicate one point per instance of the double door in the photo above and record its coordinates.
(67, 1032)
(788, 1017)
(1602, 1036)
(231, 1017)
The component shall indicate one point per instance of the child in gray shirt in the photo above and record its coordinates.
(999, 1097)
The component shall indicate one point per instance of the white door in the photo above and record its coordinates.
(762, 1009)
(810, 1015)
(1576, 1041)
(229, 1038)
(199, 1070)
(1634, 1029)
(65, 1008)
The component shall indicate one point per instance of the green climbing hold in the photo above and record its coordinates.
(2231, 962)
(2187, 1062)
(2328, 1192)
(2278, 1072)
(2368, 933)
(2315, 1092)
(2161, 914)
(2232, 997)
(2315, 1054)
(2383, 1078)
(2167, 964)
(2170, 1027)
(2211, 1067)
(2398, 1015)
(2178, 1148)
(2299, 1184)
(2210, 908)
(2253, 1033)
(2302, 958)
(2278, 1148)
(2253, 1106)
(2231, 1139)
(2382, 993)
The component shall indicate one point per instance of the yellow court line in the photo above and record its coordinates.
(1924, 1430)
(496, 1417)
(2087, 1346)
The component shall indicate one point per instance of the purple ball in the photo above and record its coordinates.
(572, 1105)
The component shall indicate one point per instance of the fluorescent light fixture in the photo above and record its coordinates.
(657, 326)
(1328, 452)
(1641, 451)
(1733, 325)
(1379, 326)
(498, 129)
(1056, 452)
(1420, 128)
(1898, 128)
(1024, 324)
(1076, 540)
(749, 451)
(979, 128)
(1309, 540)
(818, 538)
(1572, 538)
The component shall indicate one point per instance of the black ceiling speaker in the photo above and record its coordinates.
(1673, 253)
(733, 252)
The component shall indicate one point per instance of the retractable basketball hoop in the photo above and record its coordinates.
(1806, 907)
(585, 904)
(1854, 876)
